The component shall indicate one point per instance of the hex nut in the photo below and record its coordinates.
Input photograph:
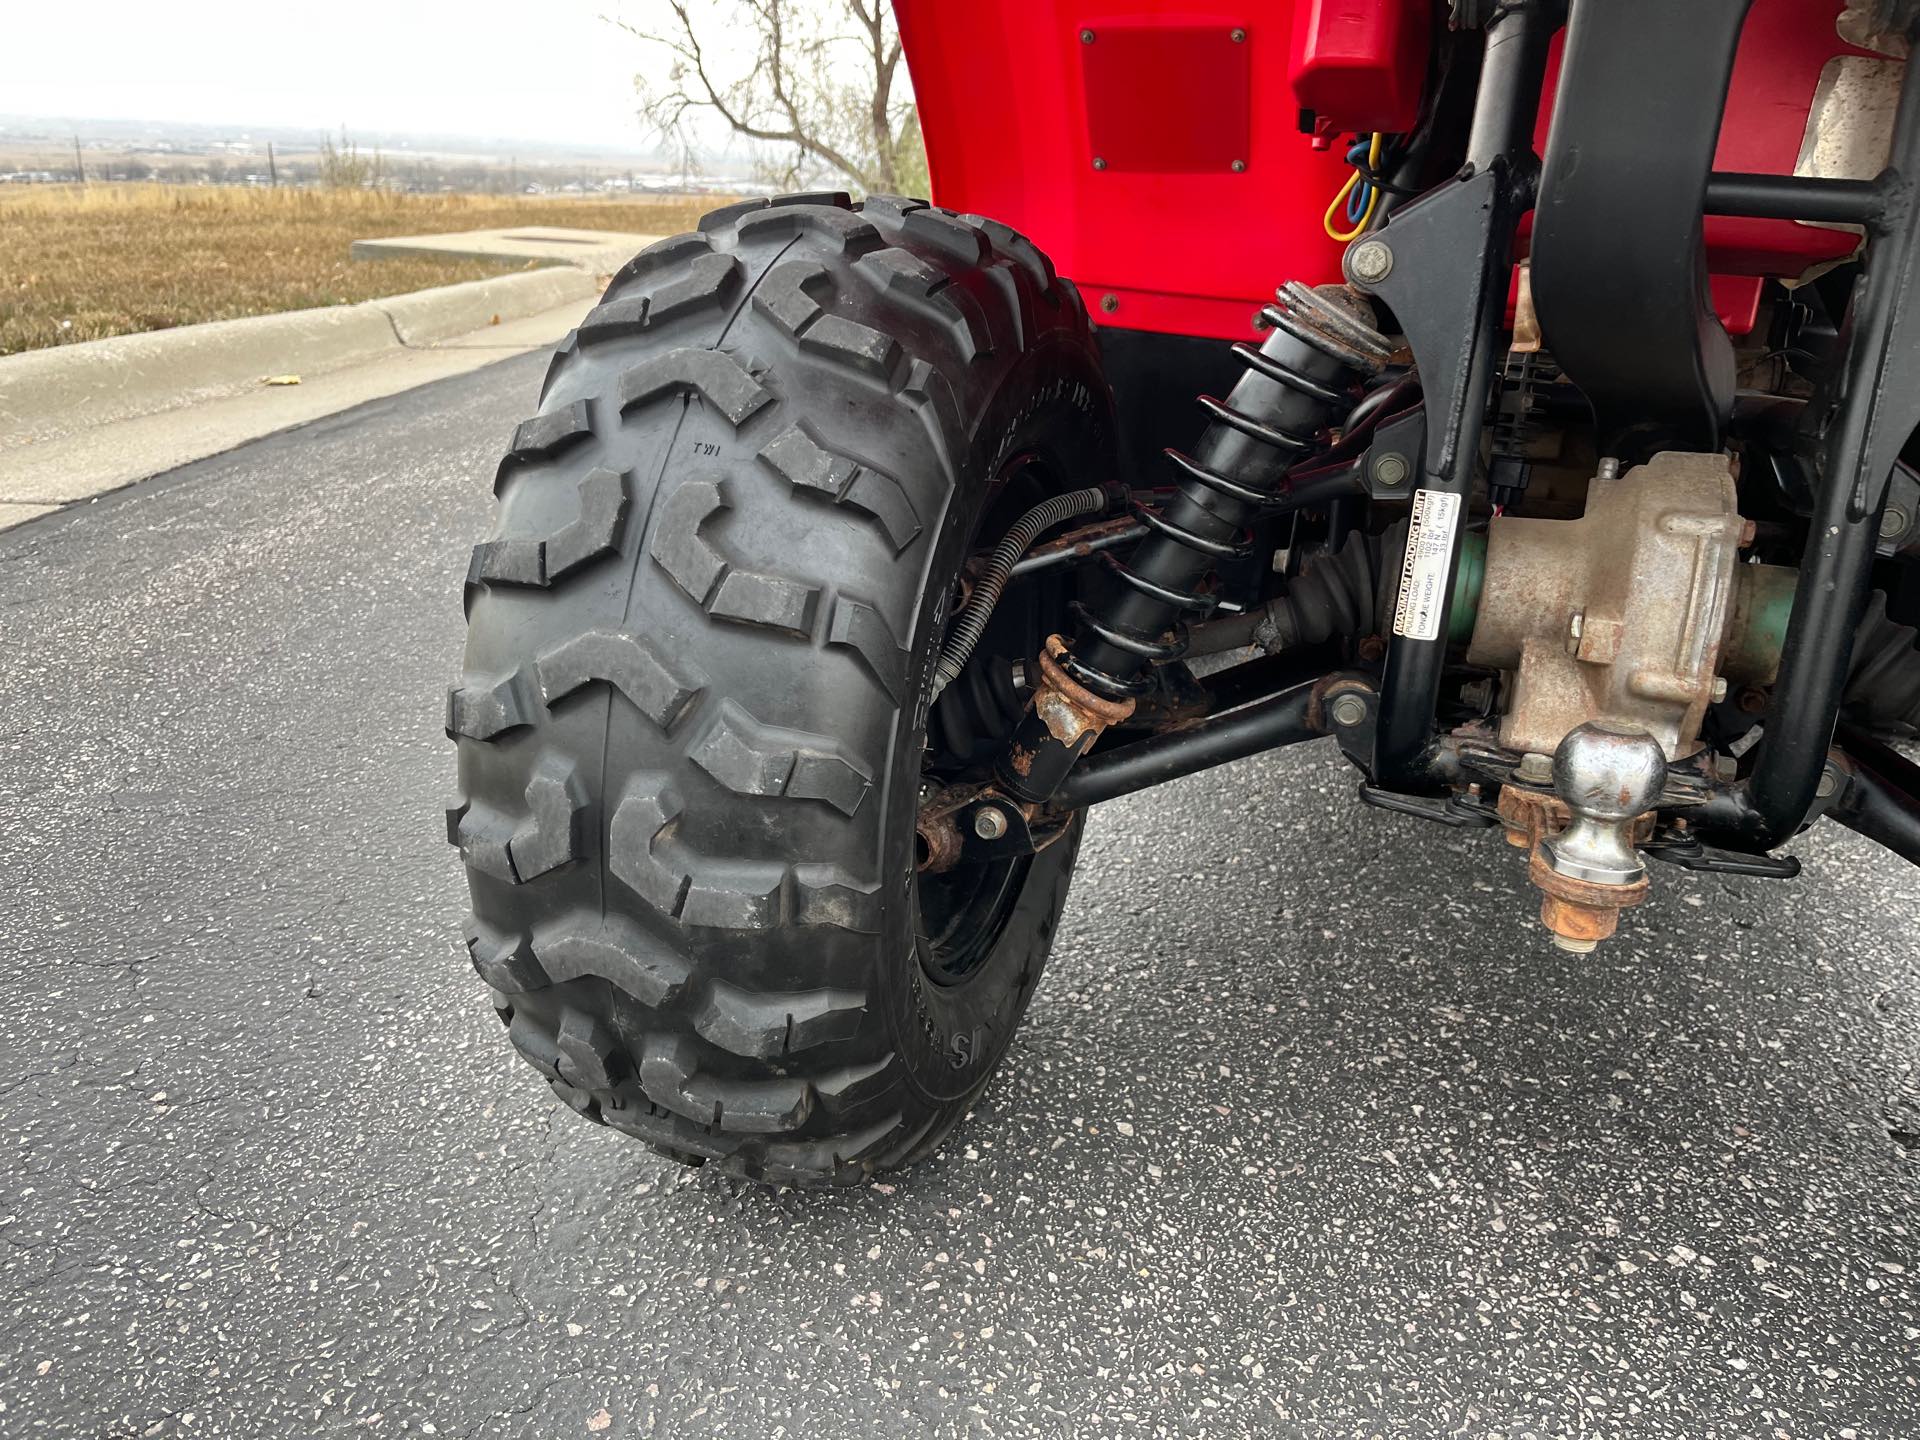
(1535, 768)
(1370, 261)
(989, 823)
(1349, 710)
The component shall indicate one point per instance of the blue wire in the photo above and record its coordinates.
(1361, 193)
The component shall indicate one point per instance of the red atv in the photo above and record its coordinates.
(856, 549)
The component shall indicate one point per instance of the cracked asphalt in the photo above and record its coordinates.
(1309, 1133)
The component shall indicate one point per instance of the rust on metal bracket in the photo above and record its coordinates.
(1069, 710)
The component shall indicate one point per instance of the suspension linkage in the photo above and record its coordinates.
(982, 822)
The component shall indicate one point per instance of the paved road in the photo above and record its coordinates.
(1308, 1134)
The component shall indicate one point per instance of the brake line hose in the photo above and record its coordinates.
(971, 623)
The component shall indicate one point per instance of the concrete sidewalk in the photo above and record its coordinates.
(80, 420)
(600, 252)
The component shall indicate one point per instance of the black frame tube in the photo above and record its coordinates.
(1878, 409)
(1284, 719)
(1795, 197)
(1882, 798)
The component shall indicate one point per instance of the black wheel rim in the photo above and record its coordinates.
(962, 913)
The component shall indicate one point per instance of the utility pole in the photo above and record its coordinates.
(79, 164)
(273, 173)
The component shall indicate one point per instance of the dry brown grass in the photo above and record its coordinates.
(79, 263)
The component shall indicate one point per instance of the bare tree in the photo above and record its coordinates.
(824, 87)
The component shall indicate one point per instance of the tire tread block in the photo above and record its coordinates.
(770, 1026)
(594, 532)
(710, 580)
(750, 758)
(629, 663)
(712, 375)
(544, 437)
(799, 457)
(646, 854)
(548, 837)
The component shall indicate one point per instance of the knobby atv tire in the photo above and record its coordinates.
(692, 711)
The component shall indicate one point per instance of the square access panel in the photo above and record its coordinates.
(1167, 98)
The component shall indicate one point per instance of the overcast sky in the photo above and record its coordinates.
(529, 69)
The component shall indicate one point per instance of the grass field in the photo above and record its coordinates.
(80, 263)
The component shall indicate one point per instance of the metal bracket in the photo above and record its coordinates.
(1690, 854)
(1619, 268)
(1397, 456)
(1454, 810)
(1443, 264)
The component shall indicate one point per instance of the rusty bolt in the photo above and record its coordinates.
(1109, 303)
(1534, 768)
(1370, 262)
(989, 823)
(1373, 647)
(1238, 36)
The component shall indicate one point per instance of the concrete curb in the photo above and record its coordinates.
(49, 394)
(428, 316)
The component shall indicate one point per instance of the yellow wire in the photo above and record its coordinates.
(1340, 200)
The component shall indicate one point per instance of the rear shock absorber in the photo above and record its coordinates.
(1319, 342)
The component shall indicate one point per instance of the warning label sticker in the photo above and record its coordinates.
(1423, 576)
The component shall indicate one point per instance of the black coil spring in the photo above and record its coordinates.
(1312, 318)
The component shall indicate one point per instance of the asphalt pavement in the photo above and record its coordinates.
(1309, 1132)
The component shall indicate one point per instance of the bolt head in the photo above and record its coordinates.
(1086, 37)
(1534, 768)
(989, 823)
(1829, 785)
(1390, 469)
(1349, 710)
(1238, 167)
(1098, 163)
(1719, 692)
(1109, 303)
(1894, 521)
(1238, 36)
(1370, 261)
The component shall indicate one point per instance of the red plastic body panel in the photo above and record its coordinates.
(1016, 107)
(1359, 64)
(1201, 85)
(1004, 111)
